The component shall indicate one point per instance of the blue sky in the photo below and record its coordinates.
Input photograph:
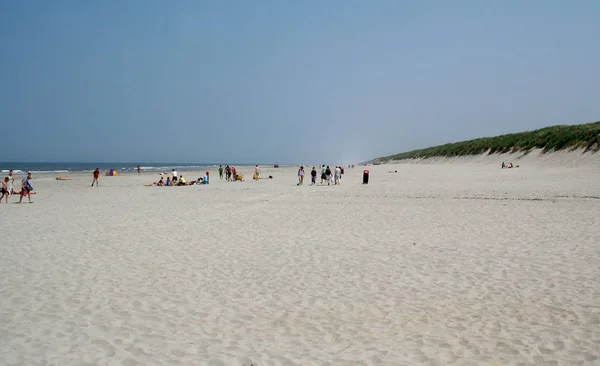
(286, 81)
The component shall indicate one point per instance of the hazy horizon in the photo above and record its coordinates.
(266, 82)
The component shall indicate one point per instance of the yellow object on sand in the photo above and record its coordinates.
(239, 177)
(112, 173)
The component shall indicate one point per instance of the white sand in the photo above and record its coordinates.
(455, 263)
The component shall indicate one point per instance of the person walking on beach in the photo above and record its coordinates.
(96, 175)
(323, 171)
(313, 176)
(338, 175)
(139, 169)
(220, 171)
(11, 181)
(26, 188)
(301, 176)
(328, 175)
(228, 173)
(4, 190)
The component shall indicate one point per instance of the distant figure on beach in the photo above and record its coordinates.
(301, 176)
(256, 172)
(26, 188)
(174, 176)
(323, 173)
(4, 190)
(11, 181)
(507, 166)
(328, 175)
(96, 175)
(338, 175)
(313, 176)
(168, 182)
(181, 181)
(220, 171)
(62, 178)
(228, 173)
(233, 172)
(139, 169)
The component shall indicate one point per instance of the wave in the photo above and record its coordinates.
(15, 171)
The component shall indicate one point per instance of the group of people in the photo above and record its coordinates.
(327, 175)
(230, 173)
(8, 187)
(176, 180)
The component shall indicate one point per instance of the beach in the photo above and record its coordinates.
(448, 261)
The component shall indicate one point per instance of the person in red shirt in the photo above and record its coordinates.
(96, 176)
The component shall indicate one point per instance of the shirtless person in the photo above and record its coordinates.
(5, 191)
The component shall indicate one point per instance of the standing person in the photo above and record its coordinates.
(26, 188)
(4, 190)
(233, 172)
(313, 176)
(338, 175)
(11, 182)
(323, 173)
(328, 175)
(227, 172)
(174, 176)
(300, 175)
(220, 171)
(96, 175)
(139, 169)
(257, 171)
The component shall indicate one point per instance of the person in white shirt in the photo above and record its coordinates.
(338, 175)
(174, 176)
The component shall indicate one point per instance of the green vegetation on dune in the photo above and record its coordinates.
(554, 138)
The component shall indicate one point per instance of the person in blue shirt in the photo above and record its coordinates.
(26, 188)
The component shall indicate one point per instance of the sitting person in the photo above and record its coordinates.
(168, 182)
(181, 181)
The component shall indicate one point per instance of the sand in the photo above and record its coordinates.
(449, 262)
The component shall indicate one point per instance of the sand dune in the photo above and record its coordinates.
(454, 262)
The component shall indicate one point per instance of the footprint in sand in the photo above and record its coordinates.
(106, 347)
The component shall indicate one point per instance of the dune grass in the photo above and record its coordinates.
(554, 138)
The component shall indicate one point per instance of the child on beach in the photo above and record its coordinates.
(313, 176)
(5, 191)
(220, 171)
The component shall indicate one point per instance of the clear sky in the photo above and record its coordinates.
(287, 81)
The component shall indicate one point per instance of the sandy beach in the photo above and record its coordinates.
(451, 261)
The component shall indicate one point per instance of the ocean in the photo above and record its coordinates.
(58, 168)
